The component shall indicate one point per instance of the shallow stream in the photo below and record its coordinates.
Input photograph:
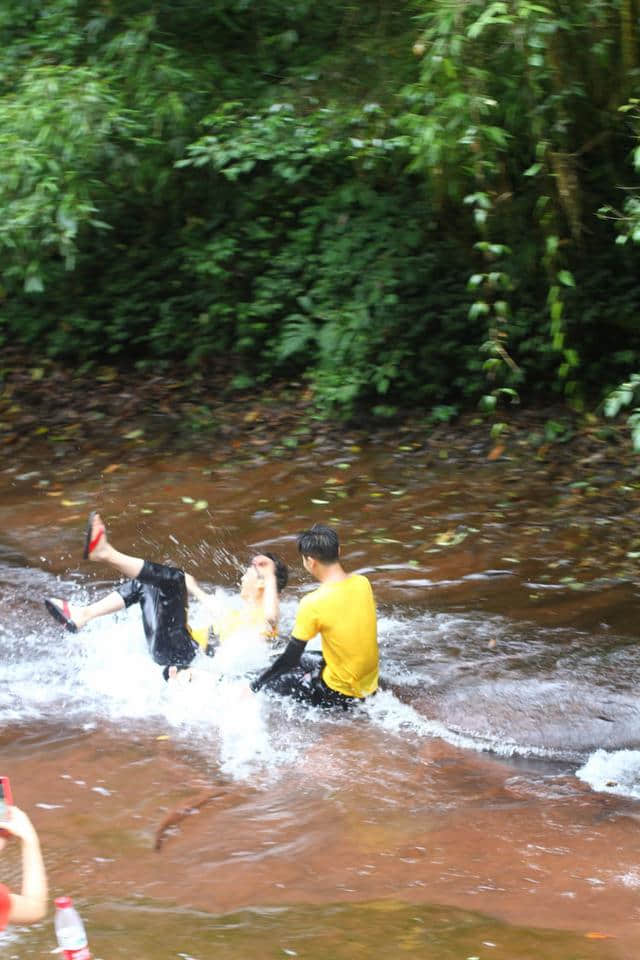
(483, 804)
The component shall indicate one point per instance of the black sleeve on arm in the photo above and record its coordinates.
(289, 658)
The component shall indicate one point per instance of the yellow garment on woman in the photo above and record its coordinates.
(242, 620)
(344, 614)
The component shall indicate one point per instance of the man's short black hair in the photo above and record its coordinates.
(282, 573)
(320, 542)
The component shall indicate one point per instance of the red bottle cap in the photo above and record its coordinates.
(63, 902)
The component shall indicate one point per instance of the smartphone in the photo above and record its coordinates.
(6, 800)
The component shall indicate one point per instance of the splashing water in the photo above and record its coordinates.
(482, 683)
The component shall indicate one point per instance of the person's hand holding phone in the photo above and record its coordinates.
(16, 823)
(30, 905)
(13, 821)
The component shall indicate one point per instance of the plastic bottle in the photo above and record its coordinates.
(70, 931)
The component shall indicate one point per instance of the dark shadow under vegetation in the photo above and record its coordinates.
(401, 208)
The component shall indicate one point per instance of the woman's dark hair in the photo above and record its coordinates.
(282, 573)
(319, 542)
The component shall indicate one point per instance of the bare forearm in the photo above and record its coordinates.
(208, 600)
(31, 904)
(271, 601)
(194, 589)
(34, 877)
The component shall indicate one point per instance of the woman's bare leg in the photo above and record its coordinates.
(101, 550)
(80, 616)
(112, 603)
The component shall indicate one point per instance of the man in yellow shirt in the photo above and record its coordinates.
(342, 610)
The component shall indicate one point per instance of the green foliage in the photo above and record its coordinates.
(557, 431)
(331, 268)
(443, 413)
(55, 130)
(628, 220)
(397, 202)
(623, 396)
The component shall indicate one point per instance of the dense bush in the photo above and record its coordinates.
(404, 203)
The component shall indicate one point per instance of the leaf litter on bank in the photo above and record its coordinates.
(93, 421)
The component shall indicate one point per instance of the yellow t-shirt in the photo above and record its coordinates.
(344, 614)
(240, 620)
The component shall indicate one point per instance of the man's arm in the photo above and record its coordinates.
(31, 904)
(194, 589)
(270, 600)
(289, 658)
(208, 600)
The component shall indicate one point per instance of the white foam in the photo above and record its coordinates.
(215, 711)
(396, 717)
(106, 674)
(9, 938)
(616, 771)
(630, 879)
(440, 662)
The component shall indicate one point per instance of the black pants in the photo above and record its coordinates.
(161, 592)
(305, 684)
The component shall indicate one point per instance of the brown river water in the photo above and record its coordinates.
(484, 805)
